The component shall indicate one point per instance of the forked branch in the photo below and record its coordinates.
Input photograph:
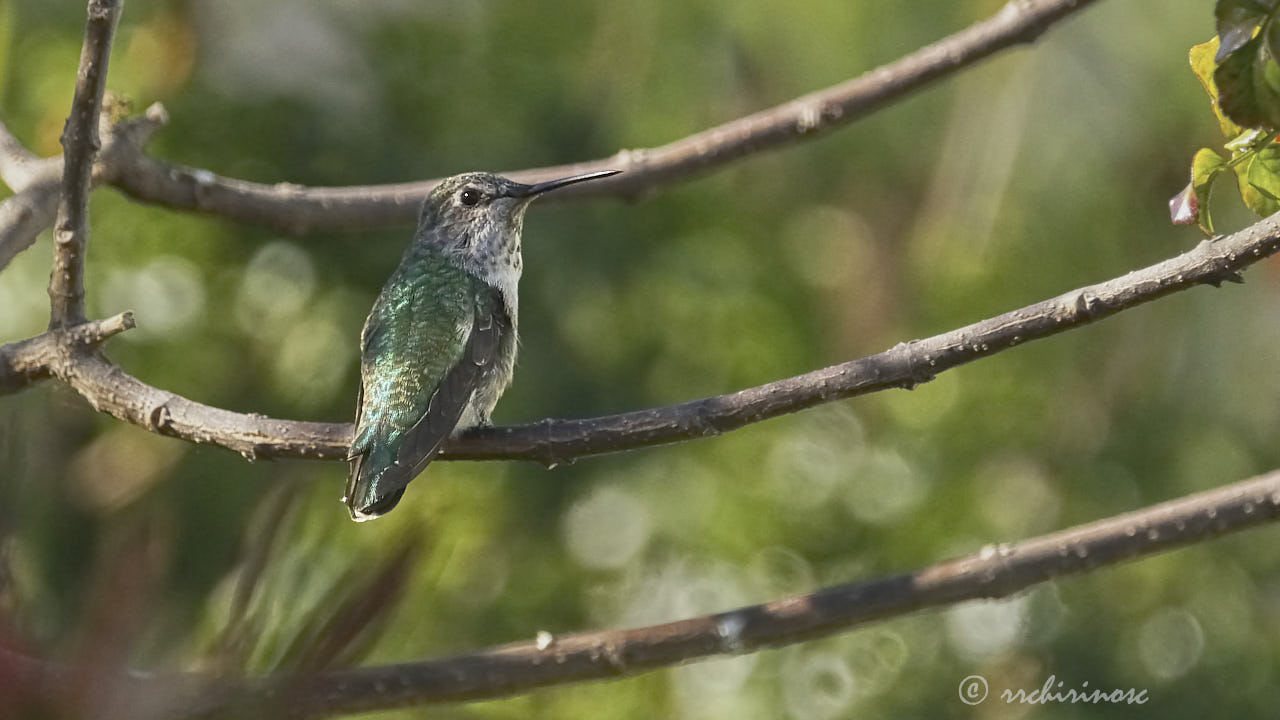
(297, 209)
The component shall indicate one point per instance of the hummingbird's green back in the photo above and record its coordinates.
(415, 342)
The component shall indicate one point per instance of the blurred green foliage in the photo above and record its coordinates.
(1041, 170)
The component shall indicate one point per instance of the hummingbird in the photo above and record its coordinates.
(439, 345)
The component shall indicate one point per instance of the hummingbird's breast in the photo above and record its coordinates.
(494, 257)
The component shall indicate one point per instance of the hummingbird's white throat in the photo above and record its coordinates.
(493, 251)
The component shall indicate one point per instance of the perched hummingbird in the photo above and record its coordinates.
(439, 345)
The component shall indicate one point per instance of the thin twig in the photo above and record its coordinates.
(80, 143)
(297, 209)
(1212, 262)
(24, 362)
(993, 572)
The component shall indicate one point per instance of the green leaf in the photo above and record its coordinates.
(1273, 39)
(1203, 65)
(1205, 169)
(1192, 204)
(1260, 181)
(1238, 20)
(1247, 76)
(1245, 92)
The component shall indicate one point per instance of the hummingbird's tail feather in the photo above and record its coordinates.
(376, 483)
(378, 508)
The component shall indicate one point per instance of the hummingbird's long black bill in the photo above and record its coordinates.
(542, 187)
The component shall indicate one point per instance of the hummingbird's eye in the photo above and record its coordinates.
(470, 196)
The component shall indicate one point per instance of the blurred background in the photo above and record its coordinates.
(1039, 171)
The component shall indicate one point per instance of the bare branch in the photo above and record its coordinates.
(296, 209)
(110, 389)
(24, 362)
(25, 215)
(80, 143)
(993, 572)
(13, 155)
(15, 160)
(19, 168)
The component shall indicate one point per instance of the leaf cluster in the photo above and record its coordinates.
(1239, 71)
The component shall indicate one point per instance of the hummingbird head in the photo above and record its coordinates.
(476, 218)
(481, 214)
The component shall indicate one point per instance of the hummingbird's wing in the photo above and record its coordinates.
(425, 345)
(450, 400)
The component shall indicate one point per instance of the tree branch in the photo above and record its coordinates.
(37, 182)
(993, 572)
(111, 390)
(24, 362)
(80, 143)
(295, 209)
(26, 214)
(14, 159)
(18, 165)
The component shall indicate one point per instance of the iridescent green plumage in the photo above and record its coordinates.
(407, 362)
(439, 345)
